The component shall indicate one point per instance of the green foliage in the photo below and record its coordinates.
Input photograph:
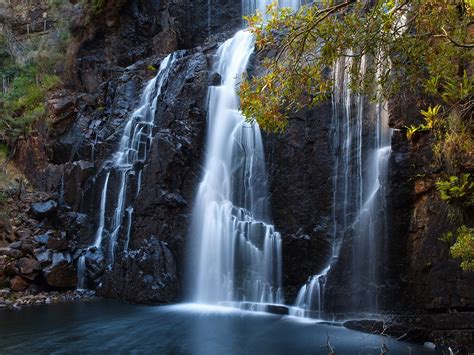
(464, 248)
(25, 102)
(427, 43)
(457, 190)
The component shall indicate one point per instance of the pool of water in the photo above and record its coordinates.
(113, 327)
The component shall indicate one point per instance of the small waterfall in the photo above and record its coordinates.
(133, 148)
(250, 7)
(361, 142)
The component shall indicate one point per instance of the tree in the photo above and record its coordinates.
(423, 44)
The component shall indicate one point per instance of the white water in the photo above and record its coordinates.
(252, 6)
(359, 204)
(237, 253)
(133, 148)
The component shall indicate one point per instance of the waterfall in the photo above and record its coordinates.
(237, 253)
(360, 143)
(133, 148)
(250, 7)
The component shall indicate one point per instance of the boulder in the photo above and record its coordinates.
(12, 253)
(18, 284)
(61, 273)
(42, 210)
(41, 239)
(57, 244)
(28, 266)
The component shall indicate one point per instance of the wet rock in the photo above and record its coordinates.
(150, 269)
(41, 210)
(61, 273)
(95, 265)
(216, 79)
(17, 283)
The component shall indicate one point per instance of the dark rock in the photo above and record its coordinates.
(95, 265)
(43, 256)
(17, 284)
(150, 269)
(57, 244)
(27, 248)
(12, 253)
(41, 210)
(15, 245)
(61, 273)
(216, 79)
(28, 266)
(41, 239)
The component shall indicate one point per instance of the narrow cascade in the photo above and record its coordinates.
(133, 148)
(361, 145)
(237, 256)
(250, 7)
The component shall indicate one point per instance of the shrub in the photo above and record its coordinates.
(457, 190)
(463, 249)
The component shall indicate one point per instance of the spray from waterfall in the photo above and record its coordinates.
(133, 148)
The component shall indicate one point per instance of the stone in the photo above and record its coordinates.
(43, 256)
(18, 284)
(41, 239)
(15, 245)
(57, 244)
(42, 210)
(216, 79)
(61, 273)
(12, 253)
(28, 266)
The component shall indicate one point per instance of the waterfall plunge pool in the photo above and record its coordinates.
(113, 327)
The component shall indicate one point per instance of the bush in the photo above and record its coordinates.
(464, 248)
(457, 190)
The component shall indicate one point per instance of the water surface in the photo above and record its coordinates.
(112, 327)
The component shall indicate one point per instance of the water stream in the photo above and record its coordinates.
(361, 142)
(237, 250)
(133, 148)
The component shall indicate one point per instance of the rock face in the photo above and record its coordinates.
(300, 166)
(147, 274)
(170, 176)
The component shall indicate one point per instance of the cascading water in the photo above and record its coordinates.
(250, 7)
(133, 148)
(359, 203)
(238, 252)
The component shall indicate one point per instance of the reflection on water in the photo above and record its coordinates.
(111, 327)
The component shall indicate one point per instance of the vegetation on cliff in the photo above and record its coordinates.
(417, 48)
